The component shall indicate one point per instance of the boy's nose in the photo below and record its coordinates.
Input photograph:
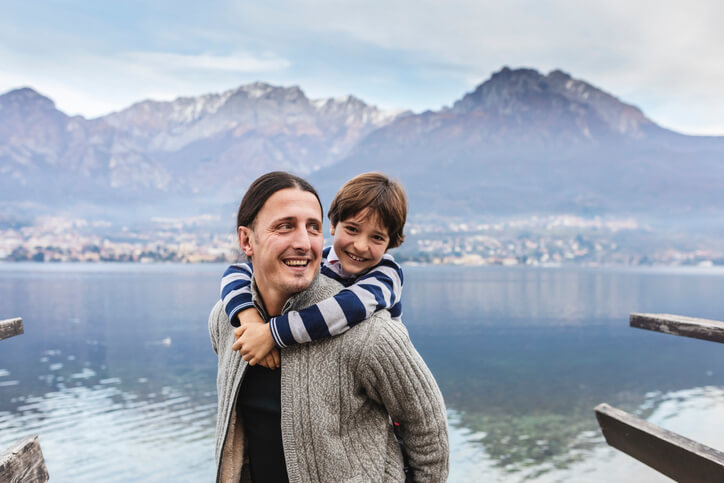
(360, 245)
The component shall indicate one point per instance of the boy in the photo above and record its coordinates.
(367, 218)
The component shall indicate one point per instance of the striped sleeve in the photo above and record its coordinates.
(236, 290)
(380, 288)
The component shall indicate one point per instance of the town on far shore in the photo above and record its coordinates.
(533, 240)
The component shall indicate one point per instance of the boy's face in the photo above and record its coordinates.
(360, 242)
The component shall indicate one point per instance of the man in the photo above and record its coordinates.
(325, 415)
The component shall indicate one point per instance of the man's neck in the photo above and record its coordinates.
(271, 300)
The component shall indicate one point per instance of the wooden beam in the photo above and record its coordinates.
(680, 325)
(23, 462)
(669, 453)
(11, 327)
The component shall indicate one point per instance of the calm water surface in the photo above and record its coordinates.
(115, 370)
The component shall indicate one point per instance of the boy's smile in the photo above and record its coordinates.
(360, 242)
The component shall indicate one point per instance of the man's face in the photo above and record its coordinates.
(285, 245)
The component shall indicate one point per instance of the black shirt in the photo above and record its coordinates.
(259, 404)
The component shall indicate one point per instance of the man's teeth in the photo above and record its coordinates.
(296, 263)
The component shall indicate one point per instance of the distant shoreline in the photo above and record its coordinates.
(124, 266)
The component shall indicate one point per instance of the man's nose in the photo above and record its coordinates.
(301, 240)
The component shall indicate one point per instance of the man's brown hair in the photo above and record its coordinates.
(384, 198)
(262, 189)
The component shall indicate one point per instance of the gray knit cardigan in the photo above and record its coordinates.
(337, 395)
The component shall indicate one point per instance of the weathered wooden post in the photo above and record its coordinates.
(11, 327)
(23, 461)
(668, 453)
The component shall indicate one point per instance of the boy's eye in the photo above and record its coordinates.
(379, 238)
(351, 229)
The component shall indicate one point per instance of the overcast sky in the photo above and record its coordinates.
(93, 57)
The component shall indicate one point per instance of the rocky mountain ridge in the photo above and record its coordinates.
(520, 142)
(181, 147)
(523, 142)
(523, 91)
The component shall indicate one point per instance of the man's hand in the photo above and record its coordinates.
(256, 345)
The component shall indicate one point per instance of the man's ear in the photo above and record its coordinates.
(245, 235)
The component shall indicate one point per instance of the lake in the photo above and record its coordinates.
(116, 373)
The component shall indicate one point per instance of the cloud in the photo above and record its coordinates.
(663, 56)
(238, 62)
(93, 84)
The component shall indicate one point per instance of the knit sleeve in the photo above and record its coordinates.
(393, 374)
(378, 289)
(236, 290)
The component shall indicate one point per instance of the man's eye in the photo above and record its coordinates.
(285, 226)
(315, 228)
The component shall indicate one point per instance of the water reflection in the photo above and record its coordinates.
(116, 373)
(103, 433)
(525, 384)
(448, 298)
(680, 411)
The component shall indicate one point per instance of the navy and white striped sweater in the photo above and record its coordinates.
(379, 288)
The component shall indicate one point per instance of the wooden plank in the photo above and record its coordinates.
(23, 462)
(11, 327)
(669, 453)
(680, 325)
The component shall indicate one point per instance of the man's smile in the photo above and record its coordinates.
(296, 262)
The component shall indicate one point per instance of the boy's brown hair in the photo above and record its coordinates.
(384, 197)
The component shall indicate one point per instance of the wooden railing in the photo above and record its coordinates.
(668, 453)
(23, 461)
(704, 329)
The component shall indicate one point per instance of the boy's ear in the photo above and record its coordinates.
(331, 229)
(245, 236)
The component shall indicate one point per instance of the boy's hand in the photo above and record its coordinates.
(255, 342)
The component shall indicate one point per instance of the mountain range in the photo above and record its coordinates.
(522, 142)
